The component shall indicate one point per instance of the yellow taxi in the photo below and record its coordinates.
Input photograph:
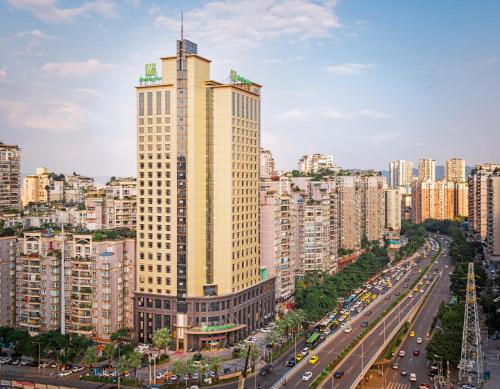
(412, 334)
(299, 357)
(313, 360)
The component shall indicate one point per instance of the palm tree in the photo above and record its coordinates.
(134, 361)
(123, 364)
(179, 368)
(215, 366)
(63, 356)
(90, 357)
(253, 356)
(109, 352)
(162, 338)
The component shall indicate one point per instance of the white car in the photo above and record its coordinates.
(76, 369)
(419, 340)
(251, 339)
(402, 353)
(265, 330)
(160, 375)
(64, 373)
(348, 329)
(413, 377)
(307, 376)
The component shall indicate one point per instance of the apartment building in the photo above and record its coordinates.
(76, 186)
(10, 176)
(278, 223)
(461, 199)
(400, 173)
(8, 254)
(38, 283)
(121, 203)
(372, 191)
(393, 209)
(102, 281)
(314, 163)
(198, 156)
(493, 216)
(454, 170)
(478, 199)
(267, 164)
(42, 187)
(426, 169)
(95, 206)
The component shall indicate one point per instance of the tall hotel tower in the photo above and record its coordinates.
(198, 266)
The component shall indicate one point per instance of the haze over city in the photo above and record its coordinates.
(365, 81)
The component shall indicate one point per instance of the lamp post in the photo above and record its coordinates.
(38, 343)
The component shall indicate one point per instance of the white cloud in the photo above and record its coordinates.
(283, 60)
(368, 113)
(238, 25)
(349, 69)
(3, 75)
(49, 10)
(293, 115)
(51, 116)
(358, 114)
(75, 69)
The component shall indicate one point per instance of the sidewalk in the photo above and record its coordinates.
(491, 351)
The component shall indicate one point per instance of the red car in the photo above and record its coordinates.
(416, 352)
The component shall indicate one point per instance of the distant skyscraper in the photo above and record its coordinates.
(454, 170)
(267, 164)
(400, 173)
(426, 169)
(10, 176)
(493, 226)
(198, 149)
(393, 209)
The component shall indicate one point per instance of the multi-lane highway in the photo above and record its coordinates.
(333, 345)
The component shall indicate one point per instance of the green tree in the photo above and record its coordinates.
(109, 352)
(215, 364)
(90, 357)
(162, 338)
(179, 368)
(134, 361)
(121, 336)
(123, 364)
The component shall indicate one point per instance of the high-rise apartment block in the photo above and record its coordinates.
(10, 176)
(267, 164)
(426, 169)
(479, 197)
(8, 255)
(42, 187)
(76, 186)
(314, 163)
(454, 170)
(198, 156)
(493, 218)
(393, 209)
(373, 193)
(400, 174)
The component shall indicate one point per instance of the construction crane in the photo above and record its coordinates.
(471, 361)
(243, 376)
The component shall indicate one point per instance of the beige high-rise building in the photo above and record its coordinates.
(372, 192)
(348, 210)
(400, 173)
(41, 187)
(393, 209)
(478, 199)
(267, 164)
(426, 169)
(493, 212)
(454, 170)
(198, 156)
(461, 199)
(10, 177)
(445, 200)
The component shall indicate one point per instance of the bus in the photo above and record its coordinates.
(349, 300)
(313, 340)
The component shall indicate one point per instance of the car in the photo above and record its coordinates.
(305, 351)
(419, 340)
(395, 365)
(160, 375)
(322, 337)
(307, 376)
(404, 372)
(424, 386)
(64, 373)
(76, 369)
(196, 376)
(398, 293)
(368, 313)
(421, 291)
(347, 329)
(251, 339)
(266, 370)
(364, 324)
(339, 373)
(313, 360)
(299, 357)
(328, 331)
(44, 364)
(413, 377)
(265, 330)
(416, 352)
(291, 362)
(410, 295)
(173, 378)
(402, 353)
(412, 334)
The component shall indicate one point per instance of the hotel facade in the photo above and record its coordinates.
(198, 156)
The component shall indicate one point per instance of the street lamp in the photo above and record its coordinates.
(38, 343)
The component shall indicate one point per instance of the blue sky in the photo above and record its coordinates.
(367, 81)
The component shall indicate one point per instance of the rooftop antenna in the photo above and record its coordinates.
(182, 26)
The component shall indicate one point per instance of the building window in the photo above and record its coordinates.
(238, 105)
(233, 103)
(141, 104)
(158, 105)
(167, 102)
(150, 103)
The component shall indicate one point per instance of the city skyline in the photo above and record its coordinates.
(340, 56)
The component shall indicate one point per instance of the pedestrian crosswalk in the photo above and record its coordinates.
(378, 384)
(397, 385)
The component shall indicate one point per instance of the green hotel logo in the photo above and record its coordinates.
(151, 76)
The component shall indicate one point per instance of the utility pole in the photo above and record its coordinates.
(471, 361)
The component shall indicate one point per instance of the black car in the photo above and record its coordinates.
(266, 370)
(322, 337)
(364, 324)
(339, 373)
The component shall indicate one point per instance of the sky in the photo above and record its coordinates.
(366, 81)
